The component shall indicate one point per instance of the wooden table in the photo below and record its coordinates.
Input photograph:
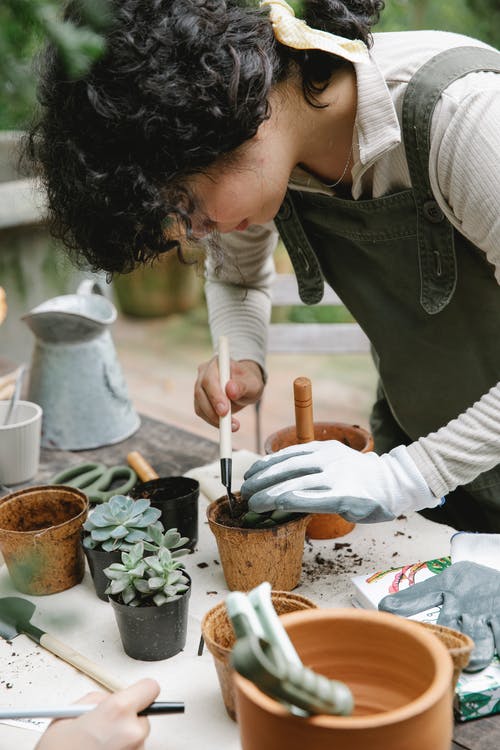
(173, 451)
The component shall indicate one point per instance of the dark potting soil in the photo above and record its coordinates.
(224, 517)
(240, 508)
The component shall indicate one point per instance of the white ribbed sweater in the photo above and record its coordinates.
(464, 170)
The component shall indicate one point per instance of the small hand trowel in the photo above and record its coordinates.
(15, 616)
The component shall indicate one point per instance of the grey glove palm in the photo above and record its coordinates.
(469, 596)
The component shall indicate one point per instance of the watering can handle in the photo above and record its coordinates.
(90, 286)
(80, 662)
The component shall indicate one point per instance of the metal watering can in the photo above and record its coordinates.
(75, 375)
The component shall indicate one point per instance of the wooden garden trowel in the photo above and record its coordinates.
(15, 616)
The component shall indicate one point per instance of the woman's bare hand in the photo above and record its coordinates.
(112, 725)
(245, 387)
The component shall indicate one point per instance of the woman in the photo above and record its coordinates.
(377, 166)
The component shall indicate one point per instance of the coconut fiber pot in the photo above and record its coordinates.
(459, 646)
(40, 530)
(399, 675)
(325, 525)
(251, 556)
(219, 638)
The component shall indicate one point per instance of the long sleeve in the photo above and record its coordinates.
(457, 453)
(238, 292)
(466, 181)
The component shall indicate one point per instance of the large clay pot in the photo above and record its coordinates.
(219, 638)
(325, 525)
(399, 674)
(40, 531)
(251, 556)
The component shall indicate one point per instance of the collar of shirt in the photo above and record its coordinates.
(376, 129)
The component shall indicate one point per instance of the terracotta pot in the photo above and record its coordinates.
(399, 675)
(325, 525)
(251, 556)
(40, 530)
(459, 646)
(219, 638)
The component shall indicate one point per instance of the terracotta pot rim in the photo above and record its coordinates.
(221, 605)
(38, 488)
(440, 683)
(321, 425)
(211, 508)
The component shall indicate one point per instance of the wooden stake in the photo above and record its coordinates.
(304, 424)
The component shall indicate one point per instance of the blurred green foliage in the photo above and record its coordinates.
(24, 27)
(476, 18)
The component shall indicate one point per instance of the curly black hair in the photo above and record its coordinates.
(182, 84)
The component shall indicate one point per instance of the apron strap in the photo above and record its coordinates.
(437, 261)
(305, 264)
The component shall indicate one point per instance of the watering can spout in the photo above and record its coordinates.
(75, 375)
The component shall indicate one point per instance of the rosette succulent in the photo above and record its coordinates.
(120, 523)
(151, 580)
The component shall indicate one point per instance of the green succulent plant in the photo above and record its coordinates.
(148, 580)
(253, 520)
(120, 523)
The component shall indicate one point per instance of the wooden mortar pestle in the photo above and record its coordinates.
(321, 525)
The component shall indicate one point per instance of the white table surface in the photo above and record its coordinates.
(31, 676)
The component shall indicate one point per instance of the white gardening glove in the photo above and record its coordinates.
(328, 477)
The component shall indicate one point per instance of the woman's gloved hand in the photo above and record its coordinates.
(328, 477)
(469, 597)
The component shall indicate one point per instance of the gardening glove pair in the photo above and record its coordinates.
(469, 597)
(328, 477)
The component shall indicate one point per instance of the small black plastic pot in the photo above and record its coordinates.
(177, 498)
(98, 559)
(153, 633)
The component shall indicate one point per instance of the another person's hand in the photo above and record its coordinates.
(328, 477)
(245, 387)
(469, 597)
(112, 725)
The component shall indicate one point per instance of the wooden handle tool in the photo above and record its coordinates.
(80, 662)
(304, 424)
(142, 468)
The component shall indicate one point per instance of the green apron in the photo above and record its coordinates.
(424, 295)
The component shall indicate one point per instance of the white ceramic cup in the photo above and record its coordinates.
(20, 442)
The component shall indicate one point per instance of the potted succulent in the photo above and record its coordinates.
(149, 592)
(257, 547)
(114, 527)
